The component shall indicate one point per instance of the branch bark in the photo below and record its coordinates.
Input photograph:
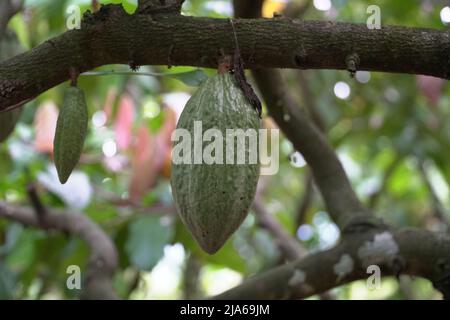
(111, 36)
(305, 200)
(103, 257)
(408, 251)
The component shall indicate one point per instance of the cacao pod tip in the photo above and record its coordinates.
(62, 178)
(210, 247)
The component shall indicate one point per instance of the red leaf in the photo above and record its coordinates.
(45, 126)
(431, 88)
(169, 125)
(124, 122)
(163, 139)
(151, 155)
(143, 171)
(111, 96)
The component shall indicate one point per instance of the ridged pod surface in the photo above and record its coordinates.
(213, 199)
(70, 134)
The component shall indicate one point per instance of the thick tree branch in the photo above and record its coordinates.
(309, 101)
(408, 251)
(111, 36)
(103, 258)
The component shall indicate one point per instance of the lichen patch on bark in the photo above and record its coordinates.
(343, 267)
(298, 277)
(382, 249)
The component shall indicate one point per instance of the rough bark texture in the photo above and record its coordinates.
(420, 253)
(111, 36)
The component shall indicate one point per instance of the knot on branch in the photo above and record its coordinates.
(8, 88)
(104, 13)
(363, 224)
(352, 62)
(157, 7)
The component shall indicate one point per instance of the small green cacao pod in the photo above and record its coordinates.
(70, 134)
(8, 122)
(213, 198)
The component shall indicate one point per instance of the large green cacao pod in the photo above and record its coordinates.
(70, 134)
(213, 199)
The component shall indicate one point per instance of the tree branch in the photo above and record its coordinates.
(305, 200)
(111, 36)
(8, 8)
(438, 208)
(103, 258)
(159, 6)
(408, 251)
(309, 101)
(191, 278)
(290, 248)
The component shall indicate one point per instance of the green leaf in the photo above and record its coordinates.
(7, 282)
(147, 237)
(191, 78)
(24, 250)
(12, 237)
(227, 256)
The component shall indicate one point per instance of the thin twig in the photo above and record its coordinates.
(305, 201)
(438, 208)
(36, 203)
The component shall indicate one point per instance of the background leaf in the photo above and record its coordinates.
(147, 237)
